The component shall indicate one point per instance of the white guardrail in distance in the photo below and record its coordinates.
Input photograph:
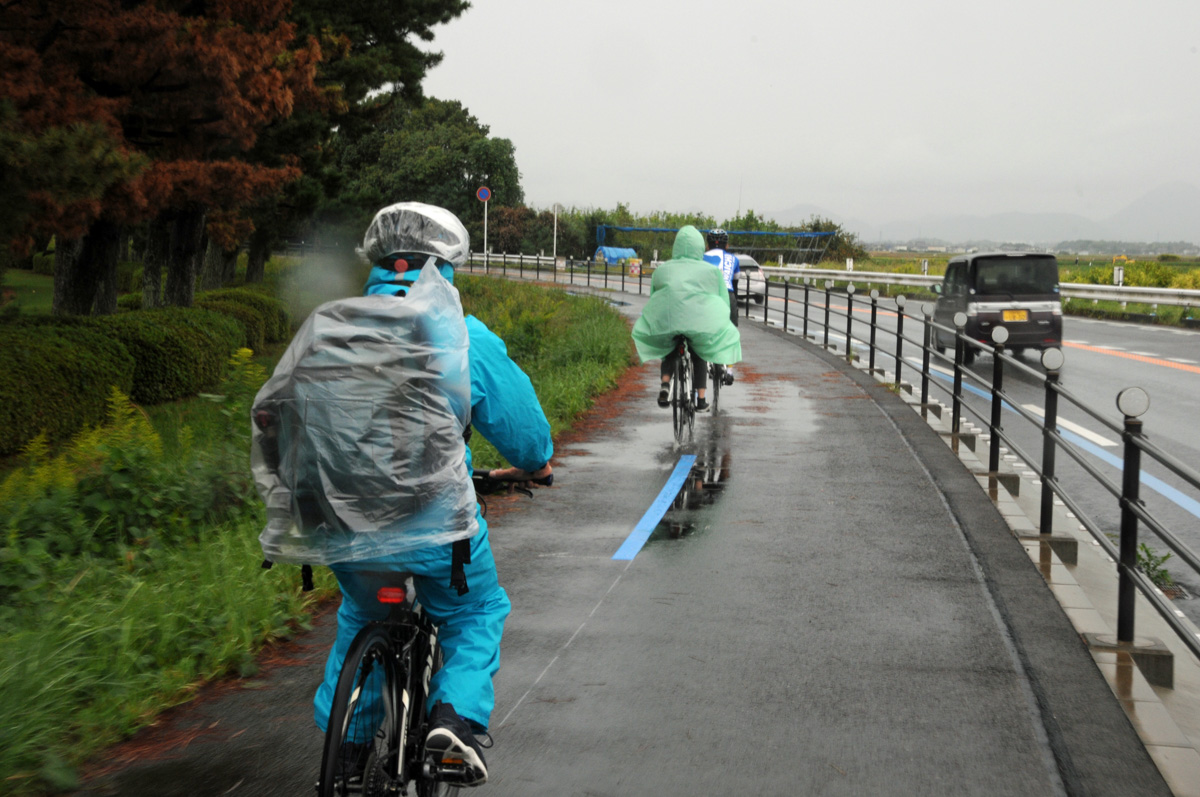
(1072, 290)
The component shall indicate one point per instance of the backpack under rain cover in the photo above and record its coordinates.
(357, 447)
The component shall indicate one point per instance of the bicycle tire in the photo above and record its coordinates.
(716, 374)
(419, 723)
(355, 724)
(681, 395)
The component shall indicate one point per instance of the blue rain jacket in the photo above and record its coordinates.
(505, 410)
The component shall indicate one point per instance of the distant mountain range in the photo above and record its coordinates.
(1170, 212)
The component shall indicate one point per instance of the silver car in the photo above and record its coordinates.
(752, 273)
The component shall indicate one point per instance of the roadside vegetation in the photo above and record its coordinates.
(130, 571)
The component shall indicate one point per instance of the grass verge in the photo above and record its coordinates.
(98, 640)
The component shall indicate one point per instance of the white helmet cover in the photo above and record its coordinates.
(416, 227)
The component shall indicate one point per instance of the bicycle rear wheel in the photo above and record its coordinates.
(681, 395)
(716, 373)
(363, 738)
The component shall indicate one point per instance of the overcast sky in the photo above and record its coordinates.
(866, 109)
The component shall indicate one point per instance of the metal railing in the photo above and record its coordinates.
(1131, 402)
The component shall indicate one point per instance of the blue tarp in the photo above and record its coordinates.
(614, 254)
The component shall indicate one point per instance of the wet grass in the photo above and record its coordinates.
(101, 641)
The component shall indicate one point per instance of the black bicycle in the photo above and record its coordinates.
(375, 743)
(683, 393)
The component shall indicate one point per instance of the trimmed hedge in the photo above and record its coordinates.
(179, 351)
(273, 311)
(56, 379)
(253, 324)
(43, 264)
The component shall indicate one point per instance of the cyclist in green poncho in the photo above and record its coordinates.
(687, 297)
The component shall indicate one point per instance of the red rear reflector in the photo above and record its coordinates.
(390, 595)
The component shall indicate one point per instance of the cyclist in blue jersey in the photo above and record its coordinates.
(717, 239)
(401, 240)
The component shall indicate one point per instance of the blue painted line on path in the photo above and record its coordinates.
(645, 527)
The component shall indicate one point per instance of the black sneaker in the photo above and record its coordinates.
(451, 740)
(701, 405)
(727, 377)
(664, 399)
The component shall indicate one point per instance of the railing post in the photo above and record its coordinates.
(960, 323)
(1052, 361)
(874, 327)
(606, 276)
(640, 271)
(521, 265)
(999, 337)
(900, 302)
(766, 298)
(850, 323)
(828, 287)
(927, 343)
(1132, 402)
(805, 335)
(623, 270)
(786, 284)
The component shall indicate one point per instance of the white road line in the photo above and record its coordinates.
(1083, 432)
(1182, 361)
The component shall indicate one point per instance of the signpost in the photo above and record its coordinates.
(483, 195)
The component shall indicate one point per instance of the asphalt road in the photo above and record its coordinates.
(836, 608)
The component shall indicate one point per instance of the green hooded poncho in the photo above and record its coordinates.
(688, 297)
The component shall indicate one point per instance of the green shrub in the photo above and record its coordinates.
(1187, 280)
(43, 264)
(274, 312)
(179, 351)
(129, 276)
(56, 378)
(130, 301)
(252, 322)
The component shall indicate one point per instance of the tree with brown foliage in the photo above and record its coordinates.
(185, 85)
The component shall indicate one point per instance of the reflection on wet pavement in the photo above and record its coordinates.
(704, 484)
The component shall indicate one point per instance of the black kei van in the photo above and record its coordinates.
(1016, 290)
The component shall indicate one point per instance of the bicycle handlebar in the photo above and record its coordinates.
(486, 484)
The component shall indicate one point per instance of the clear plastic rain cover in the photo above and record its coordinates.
(357, 447)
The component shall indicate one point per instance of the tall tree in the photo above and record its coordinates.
(436, 152)
(372, 60)
(187, 84)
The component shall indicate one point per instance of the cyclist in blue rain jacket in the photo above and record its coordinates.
(504, 409)
(730, 266)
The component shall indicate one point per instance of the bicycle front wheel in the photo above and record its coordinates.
(716, 374)
(362, 741)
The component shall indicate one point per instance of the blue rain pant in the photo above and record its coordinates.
(470, 625)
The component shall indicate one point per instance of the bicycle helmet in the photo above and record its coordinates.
(717, 239)
(416, 228)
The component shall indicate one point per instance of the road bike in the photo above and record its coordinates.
(375, 742)
(683, 394)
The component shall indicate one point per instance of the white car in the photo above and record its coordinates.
(752, 273)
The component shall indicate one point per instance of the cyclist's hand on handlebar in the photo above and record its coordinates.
(523, 478)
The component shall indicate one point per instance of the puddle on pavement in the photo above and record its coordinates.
(690, 511)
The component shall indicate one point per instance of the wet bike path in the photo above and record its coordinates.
(832, 607)
(841, 610)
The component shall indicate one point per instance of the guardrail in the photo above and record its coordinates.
(1071, 290)
(1131, 402)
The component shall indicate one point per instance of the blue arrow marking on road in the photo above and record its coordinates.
(645, 527)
